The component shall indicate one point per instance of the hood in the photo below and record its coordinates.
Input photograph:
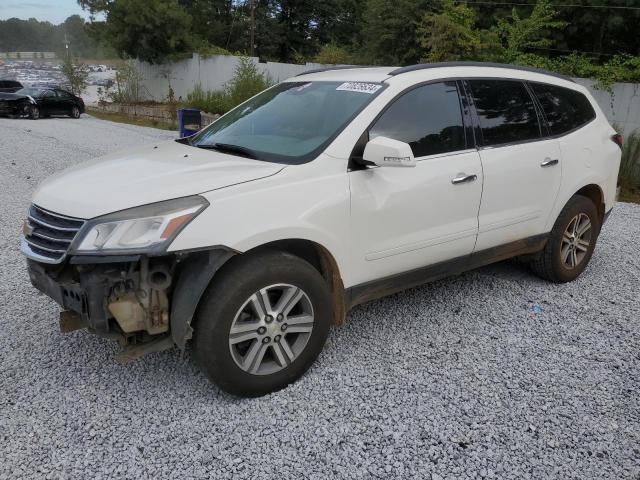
(144, 175)
(12, 96)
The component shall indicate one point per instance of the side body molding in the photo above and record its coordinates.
(196, 272)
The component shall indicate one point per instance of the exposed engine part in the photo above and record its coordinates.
(142, 304)
(70, 321)
(133, 352)
(159, 277)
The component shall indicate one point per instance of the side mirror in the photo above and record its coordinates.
(386, 152)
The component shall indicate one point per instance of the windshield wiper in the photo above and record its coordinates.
(227, 147)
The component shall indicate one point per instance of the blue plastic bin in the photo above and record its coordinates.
(189, 121)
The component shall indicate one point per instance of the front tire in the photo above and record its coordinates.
(262, 323)
(571, 242)
(34, 112)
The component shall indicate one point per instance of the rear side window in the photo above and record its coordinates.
(505, 111)
(564, 109)
(428, 118)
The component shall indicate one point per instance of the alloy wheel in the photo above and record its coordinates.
(271, 329)
(576, 241)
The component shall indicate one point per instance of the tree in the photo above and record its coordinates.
(390, 31)
(150, 30)
(333, 54)
(521, 34)
(76, 73)
(451, 35)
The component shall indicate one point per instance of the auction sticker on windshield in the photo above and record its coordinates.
(361, 87)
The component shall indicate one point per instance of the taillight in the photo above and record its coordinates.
(618, 139)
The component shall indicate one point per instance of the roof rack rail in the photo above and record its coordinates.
(328, 69)
(425, 66)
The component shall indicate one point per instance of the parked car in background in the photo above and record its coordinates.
(9, 86)
(331, 189)
(41, 102)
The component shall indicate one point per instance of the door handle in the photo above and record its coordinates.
(549, 162)
(463, 178)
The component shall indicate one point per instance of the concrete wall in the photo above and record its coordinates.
(211, 73)
(28, 55)
(622, 106)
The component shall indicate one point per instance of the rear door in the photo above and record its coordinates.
(406, 218)
(521, 164)
(65, 101)
(49, 102)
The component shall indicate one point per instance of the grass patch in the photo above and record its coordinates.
(140, 121)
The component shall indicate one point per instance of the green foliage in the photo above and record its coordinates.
(333, 54)
(630, 163)
(34, 36)
(371, 31)
(150, 30)
(450, 35)
(247, 81)
(210, 101)
(390, 32)
(76, 73)
(521, 34)
(211, 51)
(128, 86)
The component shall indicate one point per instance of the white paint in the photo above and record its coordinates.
(375, 222)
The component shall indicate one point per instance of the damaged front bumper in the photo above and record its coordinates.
(146, 303)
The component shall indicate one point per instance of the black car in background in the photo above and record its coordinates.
(41, 102)
(10, 86)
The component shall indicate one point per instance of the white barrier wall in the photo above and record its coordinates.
(211, 73)
(622, 106)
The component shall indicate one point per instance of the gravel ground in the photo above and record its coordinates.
(491, 374)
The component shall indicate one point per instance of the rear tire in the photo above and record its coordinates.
(571, 242)
(75, 112)
(279, 308)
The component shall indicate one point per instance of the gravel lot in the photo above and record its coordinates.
(491, 374)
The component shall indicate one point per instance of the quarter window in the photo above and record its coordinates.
(564, 109)
(428, 118)
(505, 111)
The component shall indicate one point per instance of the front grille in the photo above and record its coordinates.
(49, 234)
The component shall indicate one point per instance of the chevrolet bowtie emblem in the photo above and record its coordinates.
(27, 229)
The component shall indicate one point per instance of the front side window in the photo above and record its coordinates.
(290, 122)
(428, 118)
(505, 111)
(564, 109)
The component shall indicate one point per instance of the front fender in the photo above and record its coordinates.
(194, 275)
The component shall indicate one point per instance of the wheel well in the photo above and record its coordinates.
(594, 193)
(322, 261)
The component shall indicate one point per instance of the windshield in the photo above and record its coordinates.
(33, 92)
(288, 123)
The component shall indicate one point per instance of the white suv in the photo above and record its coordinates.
(330, 189)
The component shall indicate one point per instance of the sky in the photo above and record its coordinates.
(54, 11)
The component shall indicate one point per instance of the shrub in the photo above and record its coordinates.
(247, 81)
(209, 101)
(630, 163)
(333, 54)
(128, 85)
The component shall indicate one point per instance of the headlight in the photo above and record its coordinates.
(149, 228)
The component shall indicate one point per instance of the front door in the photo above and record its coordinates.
(406, 218)
(522, 166)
